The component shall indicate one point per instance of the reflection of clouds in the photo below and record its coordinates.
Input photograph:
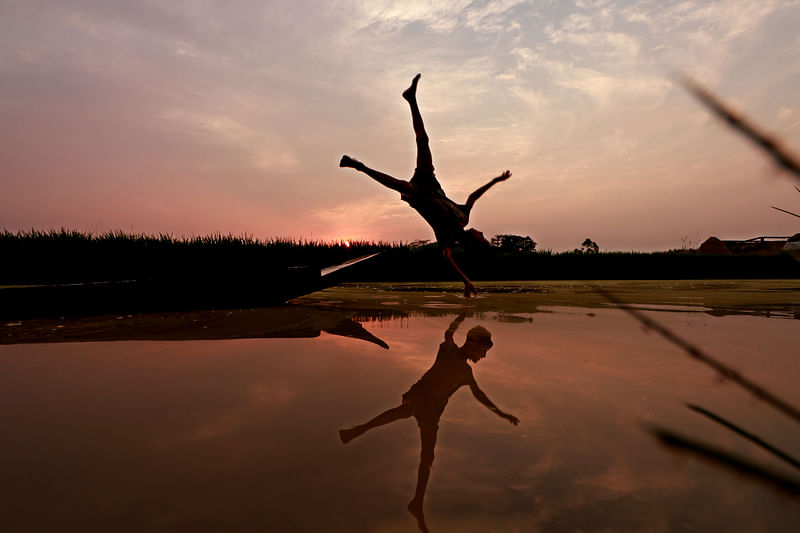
(253, 405)
(241, 434)
(588, 450)
(259, 402)
(219, 427)
(542, 466)
(620, 479)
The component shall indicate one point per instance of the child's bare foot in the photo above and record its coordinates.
(348, 434)
(348, 161)
(411, 93)
(415, 508)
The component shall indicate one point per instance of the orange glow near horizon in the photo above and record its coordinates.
(574, 98)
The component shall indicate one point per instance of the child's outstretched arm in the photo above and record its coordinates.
(479, 192)
(481, 397)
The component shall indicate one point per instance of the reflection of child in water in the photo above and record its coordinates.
(424, 193)
(427, 398)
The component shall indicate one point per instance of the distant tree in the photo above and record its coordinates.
(513, 243)
(589, 247)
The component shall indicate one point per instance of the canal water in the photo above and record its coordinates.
(230, 421)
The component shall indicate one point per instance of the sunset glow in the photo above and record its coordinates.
(192, 118)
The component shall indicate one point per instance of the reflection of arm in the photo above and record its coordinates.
(448, 335)
(481, 397)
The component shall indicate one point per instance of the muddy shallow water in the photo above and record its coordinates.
(233, 425)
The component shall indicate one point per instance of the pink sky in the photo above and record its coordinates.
(215, 117)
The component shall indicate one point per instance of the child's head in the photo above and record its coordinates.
(474, 240)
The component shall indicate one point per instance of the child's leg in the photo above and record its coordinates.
(386, 417)
(424, 157)
(401, 186)
(427, 432)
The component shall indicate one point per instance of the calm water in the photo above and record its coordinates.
(242, 434)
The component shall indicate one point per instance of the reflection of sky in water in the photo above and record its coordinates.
(242, 434)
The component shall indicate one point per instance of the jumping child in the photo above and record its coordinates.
(424, 193)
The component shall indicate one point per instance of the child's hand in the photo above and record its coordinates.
(469, 288)
(503, 177)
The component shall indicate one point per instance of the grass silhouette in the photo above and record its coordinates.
(69, 256)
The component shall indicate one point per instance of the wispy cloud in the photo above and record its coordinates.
(438, 15)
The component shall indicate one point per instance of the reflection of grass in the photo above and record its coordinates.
(755, 439)
(725, 459)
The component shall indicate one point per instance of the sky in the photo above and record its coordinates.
(203, 117)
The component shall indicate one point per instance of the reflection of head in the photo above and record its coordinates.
(479, 340)
(481, 336)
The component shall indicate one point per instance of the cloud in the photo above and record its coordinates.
(438, 15)
(442, 16)
(494, 16)
(583, 22)
(266, 150)
(608, 48)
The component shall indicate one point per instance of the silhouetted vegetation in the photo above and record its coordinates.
(588, 246)
(69, 256)
(424, 264)
(513, 243)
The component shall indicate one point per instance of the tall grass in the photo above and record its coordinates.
(65, 255)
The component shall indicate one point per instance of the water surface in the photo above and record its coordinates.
(239, 432)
